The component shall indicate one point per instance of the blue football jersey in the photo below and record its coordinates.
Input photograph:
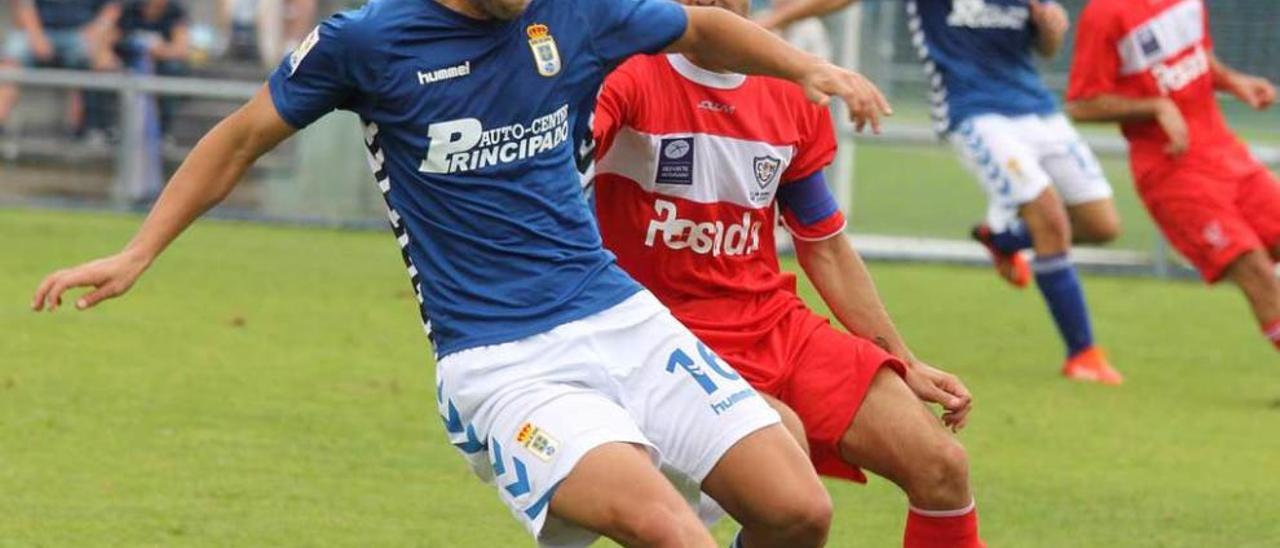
(469, 126)
(977, 55)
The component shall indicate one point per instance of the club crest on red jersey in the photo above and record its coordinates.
(766, 168)
(546, 56)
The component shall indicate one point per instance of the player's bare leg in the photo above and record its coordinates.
(616, 491)
(797, 512)
(8, 94)
(790, 420)
(1048, 225)
(895, 436)
(1255, 274)
(1047, 221)
(1095, 222)
(1050, 228)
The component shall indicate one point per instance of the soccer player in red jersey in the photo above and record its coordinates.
(1150, 66)
(693, 167)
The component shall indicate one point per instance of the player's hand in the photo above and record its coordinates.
(1174, 126)
(109, 277)
(1049, 17)
(1254, 91)
(41, 47)
(936, 386)
(866, 104)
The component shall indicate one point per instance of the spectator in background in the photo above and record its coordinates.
(75, 34)
(808, 35)
(264, 30)
(157, 39)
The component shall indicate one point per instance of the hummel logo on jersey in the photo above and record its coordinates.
(981, 15)
(465, 145)
(702, 238)
(447, 73)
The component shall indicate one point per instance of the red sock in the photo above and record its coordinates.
(1272, 331)
(942, 529)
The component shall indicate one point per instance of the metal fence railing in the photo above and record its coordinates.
(132, 163)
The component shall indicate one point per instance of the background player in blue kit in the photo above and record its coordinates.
(1044, 185)
(559, 378)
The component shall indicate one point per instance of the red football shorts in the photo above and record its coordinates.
(1213, 219)
(820, 372)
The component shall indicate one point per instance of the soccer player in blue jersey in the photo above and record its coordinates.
(1045, 187)
(558, 377)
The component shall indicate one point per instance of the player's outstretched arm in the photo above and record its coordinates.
(797, 10)
(1255, 91)
(1116, 108)
(722, 40)
(842, 278)
(206, 177)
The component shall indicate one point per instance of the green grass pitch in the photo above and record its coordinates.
(926, 192)
(268, 386)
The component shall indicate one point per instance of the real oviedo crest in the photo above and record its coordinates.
(546, 56)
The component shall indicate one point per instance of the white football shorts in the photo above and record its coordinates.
(524, 413)
(1017, 158)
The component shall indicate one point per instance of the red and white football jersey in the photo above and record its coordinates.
(1154, 48)
(692, 168)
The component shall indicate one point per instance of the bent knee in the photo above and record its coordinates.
(802, 519)
(806, 522)
(1100, 232)
(941, 477)
(1047, 221)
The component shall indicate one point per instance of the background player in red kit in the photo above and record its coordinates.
(692, 166)
(1150, 66)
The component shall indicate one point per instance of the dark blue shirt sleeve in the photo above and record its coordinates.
(808, 199)
(622, 28)
(320, 75)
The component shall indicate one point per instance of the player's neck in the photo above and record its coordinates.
(698, 62)
(465, 8)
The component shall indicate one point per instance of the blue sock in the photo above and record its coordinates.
(1013, 239)
(1056, 277)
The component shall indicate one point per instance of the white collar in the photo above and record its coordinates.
(699, 75)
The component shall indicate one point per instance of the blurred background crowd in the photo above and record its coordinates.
(222, 39)
(216, 39)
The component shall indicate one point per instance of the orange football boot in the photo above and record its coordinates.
(1012, 267)
(1091, 366)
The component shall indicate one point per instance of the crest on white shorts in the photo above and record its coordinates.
(537, 441)
(766, 168)
(546, 56)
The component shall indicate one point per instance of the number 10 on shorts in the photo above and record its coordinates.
(682, 359)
